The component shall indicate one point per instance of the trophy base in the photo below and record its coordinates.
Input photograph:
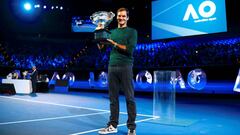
(101, 36)
(101, 41)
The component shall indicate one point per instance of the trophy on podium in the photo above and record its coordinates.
(102, 19)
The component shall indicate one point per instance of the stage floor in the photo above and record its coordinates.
(75, 113)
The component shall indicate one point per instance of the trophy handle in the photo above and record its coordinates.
(91, 17)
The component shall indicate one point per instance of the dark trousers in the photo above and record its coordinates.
(34, 86)
(120, 77)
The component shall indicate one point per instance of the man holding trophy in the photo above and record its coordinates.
(123, 40)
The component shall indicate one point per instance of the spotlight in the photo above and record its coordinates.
(44, 6)
(37, 6)
(27, 6)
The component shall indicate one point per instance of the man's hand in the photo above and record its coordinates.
(99, 27)
(112, 42)
(116, 45)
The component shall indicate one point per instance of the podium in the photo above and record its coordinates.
(164, 100)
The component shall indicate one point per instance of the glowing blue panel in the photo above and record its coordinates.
(174, 18)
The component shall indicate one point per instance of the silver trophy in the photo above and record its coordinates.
(102, 19)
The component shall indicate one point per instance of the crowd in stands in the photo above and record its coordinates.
(185, 53)
(178, 53)
(188, 53)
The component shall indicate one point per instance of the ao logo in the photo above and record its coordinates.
(204, 14)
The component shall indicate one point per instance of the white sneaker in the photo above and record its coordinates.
(131, 132)
(108, 130)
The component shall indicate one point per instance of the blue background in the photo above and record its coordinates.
(172, 12)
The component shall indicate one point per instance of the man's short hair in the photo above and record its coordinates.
(123, 9)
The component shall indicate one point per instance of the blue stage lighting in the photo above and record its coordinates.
(27, 6)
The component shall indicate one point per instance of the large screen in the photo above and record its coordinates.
(82, 24)
(177, 18)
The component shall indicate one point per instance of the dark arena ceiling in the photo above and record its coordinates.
(13, 16)
(58, 22)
